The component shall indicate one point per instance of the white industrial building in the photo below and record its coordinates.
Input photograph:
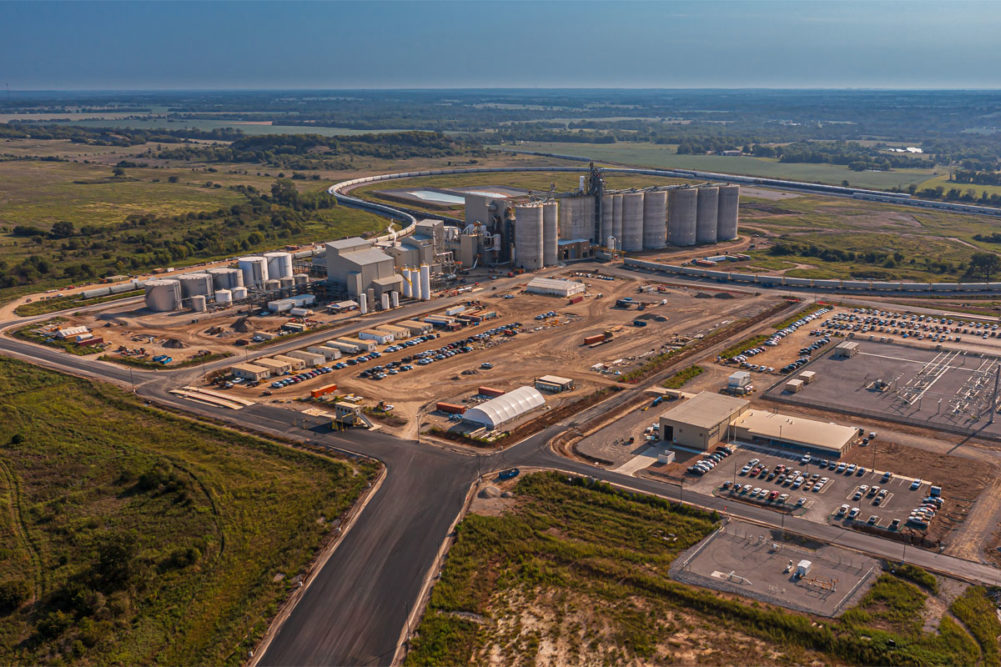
(498, 411)
(357, 266)
(555, 287)
(251, 372)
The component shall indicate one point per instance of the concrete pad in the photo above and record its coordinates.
(644, 460)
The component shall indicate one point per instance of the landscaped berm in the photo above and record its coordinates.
(573, 572)
(133, 536)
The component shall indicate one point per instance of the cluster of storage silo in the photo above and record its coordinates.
(416, 284)
(255, 271)
(222, 285)
(163, 295)
(707, 214)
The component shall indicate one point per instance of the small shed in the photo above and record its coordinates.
(803, 568)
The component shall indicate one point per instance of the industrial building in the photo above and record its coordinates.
(554, 287)
(707, 418)
(251, 372)
(554, 384)
(276, 366)
(359, 268)
(498, 411)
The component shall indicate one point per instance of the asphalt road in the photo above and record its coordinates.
(354, 611)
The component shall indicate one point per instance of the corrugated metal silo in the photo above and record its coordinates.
(195, 284)
(163, 295)
(654, 219)
(632, 221)
(681, 216)
(708, 209)
(255, 271)
(198, 303)
(239, 293)
(726, 219)
(279, 265)
(550, 233)
(223, 297)
(528, 236)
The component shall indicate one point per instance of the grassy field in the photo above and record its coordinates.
(159, 123)
(943, 180)
(575, 573)
(683, 377)
(133, 536)
(664, 157)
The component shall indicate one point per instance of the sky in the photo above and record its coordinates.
(486, 44)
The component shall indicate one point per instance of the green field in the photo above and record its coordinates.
(577, 573)
(249, 128)
(133, 536)
(661, 156)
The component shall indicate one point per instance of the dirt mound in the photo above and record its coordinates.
(490, 492)
(242, 326)
(174, 344)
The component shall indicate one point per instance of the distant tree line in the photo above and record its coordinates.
(111, 136)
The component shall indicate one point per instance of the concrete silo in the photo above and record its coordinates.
(405, 272)
(164, 295)
(550, 233)
(279, 265)
(363, 304)
(708, 209)
(566, 222)
(607, 219)
(394, 299)
(528, 236)
(617, 219)
(726, 218)
(654, 219)
(195, 284)
(255, 271)
(425, 282)
(681, 216)
(632, 221)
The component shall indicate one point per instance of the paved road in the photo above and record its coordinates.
(355, 609)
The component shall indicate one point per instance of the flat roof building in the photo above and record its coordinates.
(357, 266)
(762, 426)
(363, 345)
(416, 328)
(276, 366)
(294, 363)
(554, 383)
(251, 372)
(847, 349)
(701, 421)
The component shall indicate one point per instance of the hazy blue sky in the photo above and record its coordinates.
(146, 45)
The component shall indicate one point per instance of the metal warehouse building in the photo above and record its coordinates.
(503, 409)
(554, 287)
(554, 383)
(250, 372)
(761, 426)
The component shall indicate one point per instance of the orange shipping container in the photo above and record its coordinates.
(320, 391)
(490, 391)
(451, 408)
(591, 340)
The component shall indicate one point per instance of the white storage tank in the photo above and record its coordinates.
(198, 303)
(301, 279)
(163, 295)
(550, 233)
(405, 272)
(255, 271)
(195, 284)
(425, 282)
(239, 293)
(708, 209)
(654, 219)
(726, 218)
(384, 300)
(279, 265)
(528, 236)
(632, 221)
(617, 218)
(394, 299)
(363, 303)
(223, 297)
(223, 278)
(287, 282)
(272, 285)
(682, 209)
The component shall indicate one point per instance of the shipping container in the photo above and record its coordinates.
(450, 408)
(321, 391)
(93, 340)
(576, 299)
(596, 338)
(490, 391)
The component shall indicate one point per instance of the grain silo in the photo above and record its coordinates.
(550, 233)
(279, 265)
(198, 303)
(708, 209)
(632, 221)
(654, 219)
(195, 284)
(163, 295)
(583, 218)
(681, 216)
(223, 297)
(617, 218)
(528, 236)
(255, 271)
(726, 219)
(607, 220)
(566, 223)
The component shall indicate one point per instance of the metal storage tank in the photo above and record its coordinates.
(384, 300)
(654, 219)
(239, 293)
(363, 304)
(272, 285)
(223, 278)
(681, 216)
(255, 271)
(726, 217)
(163, 295)
(528, 236)
(195, 284)
(279, 265)
(550, 233)
(223, 297)
(301, 278)
(425, 282)
(617, 218)
(198, 303)
(405, 272)
(394, 299)
(632, 221)
(287, 282)
(708, 209)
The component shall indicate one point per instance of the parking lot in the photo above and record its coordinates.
(818, 489)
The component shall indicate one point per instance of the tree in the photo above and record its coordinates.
(984, 264)
(117, 565)
(118, 172)
(62, 229)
